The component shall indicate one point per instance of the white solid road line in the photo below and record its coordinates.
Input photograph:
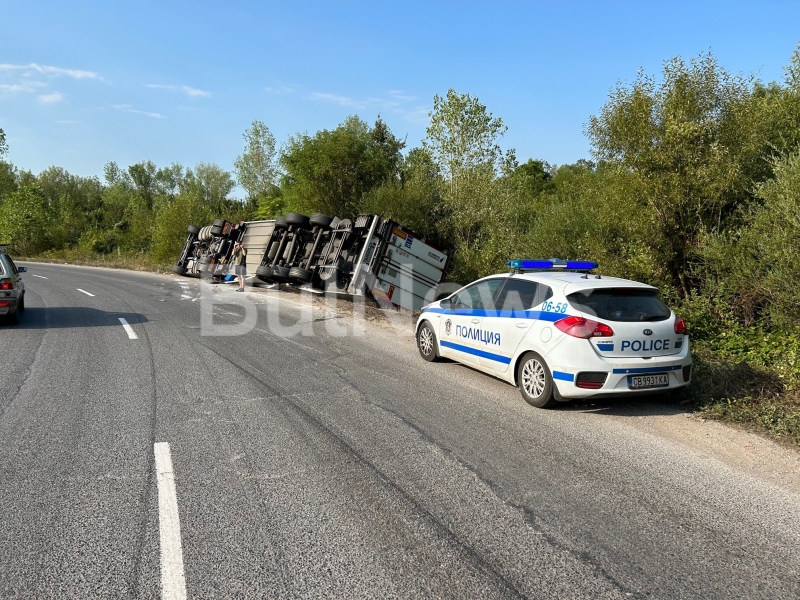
(39, 276)
(173, 579)
(85, 292)
(128, 329)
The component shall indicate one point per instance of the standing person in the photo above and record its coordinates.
(239, 260)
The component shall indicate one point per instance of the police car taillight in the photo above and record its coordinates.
(583, 328)
(6, 284)
(680, 326)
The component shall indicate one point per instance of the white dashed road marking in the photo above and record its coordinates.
(85, 292)
(128, 329)
(39, 276)
(173, 580)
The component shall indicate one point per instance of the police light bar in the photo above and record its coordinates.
(553, 263)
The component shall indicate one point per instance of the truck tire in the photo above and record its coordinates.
(280, 223)
(179, 269)
(216, 227)
(193, 230)
(299, 274)
(264, 273)
(320, 220)
(297, 219)
(281, 273)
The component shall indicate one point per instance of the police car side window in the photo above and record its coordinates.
(13, 266)
(478, 296)
(517, 295)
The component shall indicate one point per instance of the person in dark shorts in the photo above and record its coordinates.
(239, 260)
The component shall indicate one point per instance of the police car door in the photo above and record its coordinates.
(460, 334)
(512, 320)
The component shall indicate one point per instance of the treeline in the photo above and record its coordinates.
(693, 185)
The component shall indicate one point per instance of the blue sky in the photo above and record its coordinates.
(82, 83)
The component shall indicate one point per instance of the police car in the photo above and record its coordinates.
(559, 332)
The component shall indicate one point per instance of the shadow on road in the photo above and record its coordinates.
(67, 317)
(641, 406)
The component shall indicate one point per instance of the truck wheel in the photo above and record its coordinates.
(179, 269)
(191, 229)
(217, 229)
(264, 273)
(280, 223)
(320, 220)
(280, 273)
(297, 219)
(299, 274)
(426, 343)
(534, 381)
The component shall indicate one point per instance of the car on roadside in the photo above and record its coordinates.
(12, 289)
(560, 332)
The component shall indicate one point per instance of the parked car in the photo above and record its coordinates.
(12, 288)
(559, 332)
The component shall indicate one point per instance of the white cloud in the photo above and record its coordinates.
(395, 101)
(50, 70)
(129, 108)
(282, 89)
(52, 98)
(337, 99)
(185, 89)
(25, 86)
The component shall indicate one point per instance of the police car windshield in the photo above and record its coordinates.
(620, 304)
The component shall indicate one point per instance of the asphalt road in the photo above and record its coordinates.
(316, 455)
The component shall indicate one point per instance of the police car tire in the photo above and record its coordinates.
(426, 343)
(21, 307)
(193, 230)
(179, 269)
(533, 374)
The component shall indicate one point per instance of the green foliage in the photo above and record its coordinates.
(331, 171)
(3, 144)
(686, 140)
(172, 220)
(24, 220)
(257, 169)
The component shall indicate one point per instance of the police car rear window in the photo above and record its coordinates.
(620, 304)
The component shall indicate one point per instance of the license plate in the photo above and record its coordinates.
(637, 382)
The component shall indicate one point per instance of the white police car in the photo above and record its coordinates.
(559, 332)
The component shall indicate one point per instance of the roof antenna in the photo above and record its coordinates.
(598, 276)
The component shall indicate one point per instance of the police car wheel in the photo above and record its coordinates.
(426, 342)
(534, 381)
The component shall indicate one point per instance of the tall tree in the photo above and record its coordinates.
(686, 139)
(463, 140)
(257, 169)
(331, 171)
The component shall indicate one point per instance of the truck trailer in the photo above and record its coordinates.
(369, 256)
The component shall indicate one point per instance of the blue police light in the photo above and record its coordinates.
(554, 263)
(529, 264)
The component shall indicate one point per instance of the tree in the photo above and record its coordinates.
(462, 140)
(209, 183)
(3, 144)
(257, 169)
(24, 220)
(687, 140)
(333, 170)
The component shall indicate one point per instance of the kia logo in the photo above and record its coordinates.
(648, 332)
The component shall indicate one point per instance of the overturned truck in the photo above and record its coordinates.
(369, 256)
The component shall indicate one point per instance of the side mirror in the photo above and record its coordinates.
(22, 269)
(446, 303)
